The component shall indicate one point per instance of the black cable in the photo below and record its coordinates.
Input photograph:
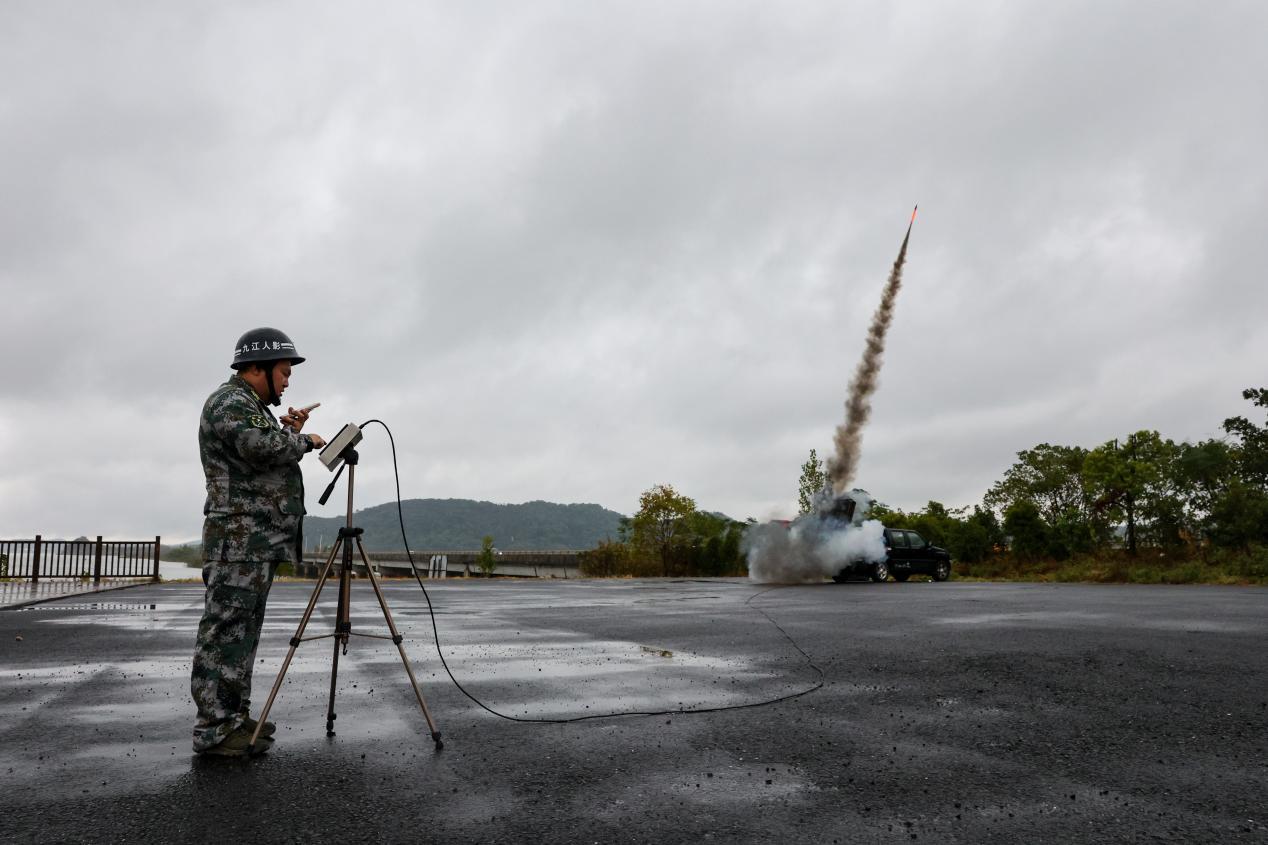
(436, 633)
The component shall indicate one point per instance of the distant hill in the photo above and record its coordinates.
(461, 523)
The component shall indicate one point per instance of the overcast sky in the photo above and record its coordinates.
(571, 250)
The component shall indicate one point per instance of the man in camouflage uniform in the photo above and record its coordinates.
(253, 518)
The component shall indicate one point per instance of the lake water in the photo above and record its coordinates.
(175, 570)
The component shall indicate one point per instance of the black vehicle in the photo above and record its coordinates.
(907, 554)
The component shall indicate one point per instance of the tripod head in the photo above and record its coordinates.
(349, 458)
(335, 452)
(338, 454)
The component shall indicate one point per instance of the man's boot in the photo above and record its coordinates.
(267, 731)
(238, 744)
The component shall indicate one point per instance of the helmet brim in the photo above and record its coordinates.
(242, 365)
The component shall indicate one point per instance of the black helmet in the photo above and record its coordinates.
(264, 344)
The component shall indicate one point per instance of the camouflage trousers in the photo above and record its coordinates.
(224, 654)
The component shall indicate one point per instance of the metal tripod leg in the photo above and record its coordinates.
(343, 622)
(397, 639)
(295, 640)
(343, 628)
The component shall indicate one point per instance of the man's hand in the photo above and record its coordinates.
(295, 418)
(316, 441)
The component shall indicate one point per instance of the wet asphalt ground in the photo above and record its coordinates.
(952, 712)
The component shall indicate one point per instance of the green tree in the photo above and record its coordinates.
(1126, 480)
(935, 523)
(486, 560)
(1198, 478)
(1200, 475)
(1251, 442)
(812, 482)
(669, 535)
(1239, 516)
(662, 525)
(884, 514)
(970, 538)
(711, 545)
(979, 535)
(1071, 533)
(1024, 525)
(606, 560)
(1048, 476)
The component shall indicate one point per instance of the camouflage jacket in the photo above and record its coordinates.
(255, 490)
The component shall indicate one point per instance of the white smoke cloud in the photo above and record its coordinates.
(811, 549)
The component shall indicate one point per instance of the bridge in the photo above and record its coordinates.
(442, 563)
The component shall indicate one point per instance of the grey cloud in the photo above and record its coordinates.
(570, 252)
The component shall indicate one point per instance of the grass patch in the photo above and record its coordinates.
(1150, 566)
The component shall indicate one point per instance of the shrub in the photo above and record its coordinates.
(1026, 527)
(1142, 574)
(1190, 572)
(616, 560)
(1250, 565)
(485, 559)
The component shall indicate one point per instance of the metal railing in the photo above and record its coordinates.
(437, 563)
(83, 559)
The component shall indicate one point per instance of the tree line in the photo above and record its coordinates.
(1135, 508)
(669, 536)
(1203, 503)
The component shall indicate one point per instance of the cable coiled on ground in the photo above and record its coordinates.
(818, 683)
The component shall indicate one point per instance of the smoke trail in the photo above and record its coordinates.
(819, 544)
(858, 407)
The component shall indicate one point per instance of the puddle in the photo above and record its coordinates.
(1195, 626)
(127, 607)
(1037, 616)
(126, 621)
(1075, 618)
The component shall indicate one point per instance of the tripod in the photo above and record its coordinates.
(343, 622)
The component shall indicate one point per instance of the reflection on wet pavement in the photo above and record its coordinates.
(953, 712)
(119, 700)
